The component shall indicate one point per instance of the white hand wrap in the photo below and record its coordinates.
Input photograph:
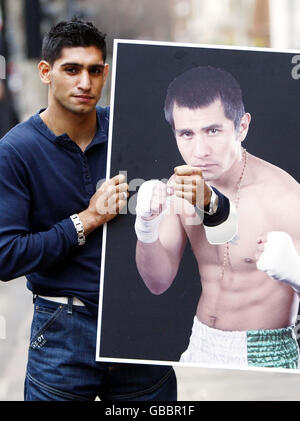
(280, 259)
(146, 231)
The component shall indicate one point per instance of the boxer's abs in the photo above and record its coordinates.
(244, 299)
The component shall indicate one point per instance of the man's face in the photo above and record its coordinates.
(76, 79)
(206, 138)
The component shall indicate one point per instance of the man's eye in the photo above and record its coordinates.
(212, 132)
(96, 71)
(71, 70)
(186, 135)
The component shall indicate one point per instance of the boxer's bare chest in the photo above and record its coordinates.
(254, 219)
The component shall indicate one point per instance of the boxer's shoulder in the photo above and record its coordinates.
(272, 177)
(276, 191)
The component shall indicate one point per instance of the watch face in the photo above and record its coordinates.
(213, 203)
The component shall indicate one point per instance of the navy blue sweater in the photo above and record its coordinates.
(44, 179)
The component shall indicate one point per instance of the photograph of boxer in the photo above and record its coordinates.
(239, 213)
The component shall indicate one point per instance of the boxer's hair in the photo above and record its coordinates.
(200, 87)
(72, 33)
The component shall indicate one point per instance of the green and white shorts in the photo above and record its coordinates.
(276, 348)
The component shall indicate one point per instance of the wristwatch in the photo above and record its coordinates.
(79, 228)
(211, 209)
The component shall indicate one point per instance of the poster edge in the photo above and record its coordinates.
(116, 43)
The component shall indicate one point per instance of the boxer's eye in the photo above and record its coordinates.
(213, 131)
(186, 135)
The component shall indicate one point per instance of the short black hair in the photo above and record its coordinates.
(200, 87)
(72, 33)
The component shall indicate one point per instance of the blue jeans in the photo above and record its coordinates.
(62, 367)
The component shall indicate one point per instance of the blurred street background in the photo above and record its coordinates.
(245, 23)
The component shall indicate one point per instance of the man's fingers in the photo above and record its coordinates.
(185, 187)
(112, 189)
(157, 204)
(160, 189)
(116, 202)
(187, 170)
(121, 205)
(118, 179)
(159, 197)
(123, 195)
(189, 196)
(110, 202)
(116, 197)
(191, 179)
(114, 181)
(170, 190)
(119, 188)
(170, 187)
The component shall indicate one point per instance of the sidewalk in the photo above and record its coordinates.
(194, 384)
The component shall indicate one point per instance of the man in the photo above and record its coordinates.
(250, 275)
(51, 226)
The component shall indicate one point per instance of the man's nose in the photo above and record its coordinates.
(85, 81)
(201, 148)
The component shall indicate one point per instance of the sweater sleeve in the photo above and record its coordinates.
(21, 251)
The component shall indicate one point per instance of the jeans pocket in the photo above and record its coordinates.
(43, 318)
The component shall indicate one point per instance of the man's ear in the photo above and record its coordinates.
(44, 71)
(244, 126)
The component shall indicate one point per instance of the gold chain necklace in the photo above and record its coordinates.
(226, 256)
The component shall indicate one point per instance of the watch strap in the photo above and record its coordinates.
(79, 228)
(213, 204)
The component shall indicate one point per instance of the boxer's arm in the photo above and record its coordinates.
(161, 238)
(294, 222)
(278, 252)
(158, 262)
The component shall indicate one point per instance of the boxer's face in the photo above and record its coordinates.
(206, 138)
(76, 79)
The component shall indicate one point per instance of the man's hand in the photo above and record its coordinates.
(278, 258)
(190, 185)
(158, 201)
(105, 204)
(222, 225)
(151, 204)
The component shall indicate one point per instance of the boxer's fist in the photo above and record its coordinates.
(278, 258)
(159, 199)
(190, 185)
(152, 201)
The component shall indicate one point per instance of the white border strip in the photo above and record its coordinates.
(207, 46)
(108, 167)
(195, 365)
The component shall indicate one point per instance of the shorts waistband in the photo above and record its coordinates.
(217, 333)
(258, 334)
(271, 334)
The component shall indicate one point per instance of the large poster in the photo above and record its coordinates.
(191, 301)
